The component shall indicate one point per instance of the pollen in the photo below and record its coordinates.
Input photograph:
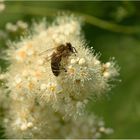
(52, 88)
(38, 74)
(31, 85)
(21, 55)
(19, 85)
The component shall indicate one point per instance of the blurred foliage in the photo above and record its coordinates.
(121, 108)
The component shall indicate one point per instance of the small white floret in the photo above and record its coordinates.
(108, 64)
(96, 62)
(23, 127)
(102, 129)
(29, 124)
(18, 79)
(73, 61)
(43, 86)
(106, 74)
(82, 61)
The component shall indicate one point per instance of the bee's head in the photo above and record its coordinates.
(71, 48)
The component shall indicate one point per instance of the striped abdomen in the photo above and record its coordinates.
(55, 63)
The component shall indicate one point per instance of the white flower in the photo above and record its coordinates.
(41, 102)
(85, 127)
(10, 27)
(43, 86)
(82, 61)
(22, 25)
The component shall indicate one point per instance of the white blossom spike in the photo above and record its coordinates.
(39, 104)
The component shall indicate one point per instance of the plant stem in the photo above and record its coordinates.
(45, 11)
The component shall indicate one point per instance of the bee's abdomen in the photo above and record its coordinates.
(55, 64)
(55, 69)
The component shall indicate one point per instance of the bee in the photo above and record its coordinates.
(62, 51)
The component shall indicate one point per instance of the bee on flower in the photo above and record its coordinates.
(51, 77)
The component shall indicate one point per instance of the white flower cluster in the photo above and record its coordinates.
(43, 105)
(20, 25)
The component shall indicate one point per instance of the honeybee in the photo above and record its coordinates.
(62, 51)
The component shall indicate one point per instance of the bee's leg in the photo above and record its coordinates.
(65, 70)
(74, 50)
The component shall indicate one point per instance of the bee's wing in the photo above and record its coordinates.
(47, 54)
(50, 50)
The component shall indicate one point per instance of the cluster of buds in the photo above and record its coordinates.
(42, 105)
(19, 26)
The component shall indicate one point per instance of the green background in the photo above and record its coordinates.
(121, 107)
